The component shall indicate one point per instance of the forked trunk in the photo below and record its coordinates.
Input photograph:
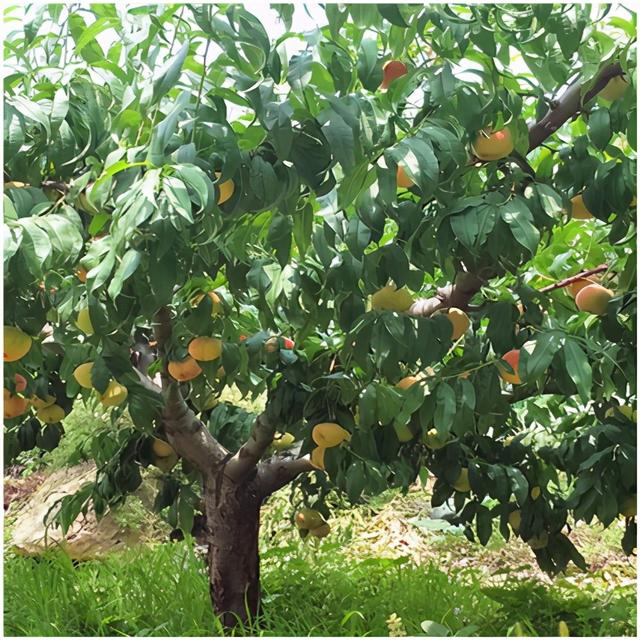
(233, 523)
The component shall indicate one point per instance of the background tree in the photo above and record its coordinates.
(190, 204)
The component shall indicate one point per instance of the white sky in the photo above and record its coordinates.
(306, 18)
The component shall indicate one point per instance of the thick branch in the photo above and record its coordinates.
(568, 105)
(162, 332)
(456, 295)
(275, 475)
(188, 435)
(142, 354)
(249, 454)
(147, 382)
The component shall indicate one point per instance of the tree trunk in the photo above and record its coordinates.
(233, 522)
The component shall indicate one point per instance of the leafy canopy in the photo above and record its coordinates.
(122, 125)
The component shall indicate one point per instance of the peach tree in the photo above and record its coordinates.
(409, 230)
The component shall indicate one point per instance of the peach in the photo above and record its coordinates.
(594, 298)
(392, 70)
(492, 145)
(512, 358)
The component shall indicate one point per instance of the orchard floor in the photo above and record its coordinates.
(381, 561)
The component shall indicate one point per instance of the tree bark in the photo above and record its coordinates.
(234, 487)
(233, 523)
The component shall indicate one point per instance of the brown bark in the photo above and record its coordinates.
(579, 276)
(249, 454)
(569, 104)
(233, 523)
(456, 295)
(234, 487)
(232, 510)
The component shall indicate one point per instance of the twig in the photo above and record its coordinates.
(579, 276)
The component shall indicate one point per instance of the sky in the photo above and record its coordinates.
(306, 18)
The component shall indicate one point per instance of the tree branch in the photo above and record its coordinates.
(275, 475)
(147, 382)
(523, 164)
(188, 435)
(579, 276)
(142, 354)
(249, 454)
(569, 104)
(162, 332)
(456, 295)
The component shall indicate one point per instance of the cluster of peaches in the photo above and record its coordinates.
(494, 145)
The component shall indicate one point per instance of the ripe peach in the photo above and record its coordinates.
(407, 382)
(14, 405)
(594, 298)
(16, 344)
(579, 209)
(493, 145)
(512, 358)
(402, 179)
(329, 434)
(184, 370)
(205, 349)
(578, 285)
(614, 89)
(392, 70)
(460, 321)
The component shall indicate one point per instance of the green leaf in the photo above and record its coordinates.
(578, 368)
(90, 33)
(550, 200)
(31, 111)
(484, 524)
(185, 515)
(391, 13)
(178, 197)
(279, 237)
(517, 215)
(100, 274)
(445, 410)
(303, 228)
(600, 128)
(369, 67)
(162, 132)
(127, 267)
(416, 155)
(361, 178)
(36, 246)
(465, 227)
(502, 318)
(368, 406)
(166, 77)
(535, 364)
(434, 629)
(163, 278)
(341, 137)
(299, 72)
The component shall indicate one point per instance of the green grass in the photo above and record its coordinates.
(308, 590)
(347, 585)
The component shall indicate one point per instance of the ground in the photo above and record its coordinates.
(387, 568)
(383, 570)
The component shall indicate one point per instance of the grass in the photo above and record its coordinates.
(379, 562)
(309, 589)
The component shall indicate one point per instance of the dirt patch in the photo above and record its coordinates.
(393, 530)
(17, 488)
